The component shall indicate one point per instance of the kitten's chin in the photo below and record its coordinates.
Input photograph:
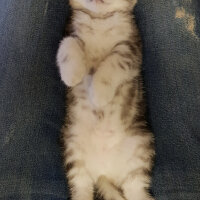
(101, 7)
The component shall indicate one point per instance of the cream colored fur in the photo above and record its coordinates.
(105, 155)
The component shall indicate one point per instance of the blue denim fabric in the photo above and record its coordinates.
(31, 100)
(172, 79)
(32, 97)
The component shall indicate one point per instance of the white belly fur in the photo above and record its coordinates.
(103, 145)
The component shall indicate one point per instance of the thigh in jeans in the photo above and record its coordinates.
(171, 41)
(31, 99)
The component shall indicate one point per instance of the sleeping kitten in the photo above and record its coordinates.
(108, 147)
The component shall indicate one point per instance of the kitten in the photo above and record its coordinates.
(108, 148)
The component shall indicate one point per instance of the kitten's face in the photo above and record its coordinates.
(103, 6)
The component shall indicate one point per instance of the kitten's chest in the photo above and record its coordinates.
(98, 43)
(100, 36)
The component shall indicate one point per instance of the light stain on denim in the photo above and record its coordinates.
(188, 19)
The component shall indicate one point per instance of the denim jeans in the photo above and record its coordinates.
(32, 97)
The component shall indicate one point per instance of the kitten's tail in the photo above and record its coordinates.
(108, 190)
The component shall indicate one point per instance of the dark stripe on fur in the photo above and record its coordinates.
(97, 194)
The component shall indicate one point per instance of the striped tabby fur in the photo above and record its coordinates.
(108, 148)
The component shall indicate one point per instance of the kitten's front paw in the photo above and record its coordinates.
(72, 73)
(101, 93)
(70, 62)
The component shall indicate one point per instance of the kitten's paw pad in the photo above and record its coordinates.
(100, 94)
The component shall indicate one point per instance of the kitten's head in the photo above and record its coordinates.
(103, 6)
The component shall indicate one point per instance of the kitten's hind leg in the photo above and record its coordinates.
(81, 185)
(108, 190)
(135, 187)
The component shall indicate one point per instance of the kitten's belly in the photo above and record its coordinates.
(108, 154)
(102, 143)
